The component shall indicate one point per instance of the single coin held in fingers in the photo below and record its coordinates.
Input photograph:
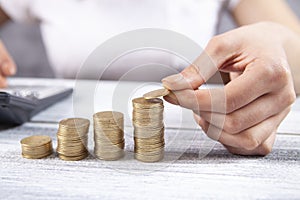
(156, 93)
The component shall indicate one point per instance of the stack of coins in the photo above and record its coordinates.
(72, 138)
(148, 129)
(109, 135)
(35, 147)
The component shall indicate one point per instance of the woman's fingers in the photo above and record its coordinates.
(245, 112)
(258, 79)
(251, 114)
(234, 75)
(213, 100)
(249, 139)
(262, 150)
(193, 76)
(219, 49)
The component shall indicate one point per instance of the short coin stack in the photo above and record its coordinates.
(148, 129)
(35, 147)
(109, 135)
(72, 138)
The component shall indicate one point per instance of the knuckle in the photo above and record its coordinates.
(280, 74)
(277, 72)
(217, 44)
(250, 143)
(232, 150)
(291, 97)
(288, 98)
(265, 149)
(232, 124)
(266, 70)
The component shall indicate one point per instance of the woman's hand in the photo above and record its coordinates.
(245, 114)
(7, 65)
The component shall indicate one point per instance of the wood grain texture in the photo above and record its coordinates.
(181, 175)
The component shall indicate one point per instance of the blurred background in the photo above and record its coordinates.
(24, 43)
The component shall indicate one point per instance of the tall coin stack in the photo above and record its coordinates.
(109, 135)
(37, 146)
(148, 129)
(72, 139)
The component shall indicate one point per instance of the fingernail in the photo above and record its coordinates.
(172, 78)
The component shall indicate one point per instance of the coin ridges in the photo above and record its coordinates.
(156, 93)
(147, 119)
(72, 139)
(36, 147)
(109, 135)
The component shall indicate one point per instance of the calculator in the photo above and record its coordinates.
(18, 103)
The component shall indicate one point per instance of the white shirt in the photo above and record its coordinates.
(72, 29)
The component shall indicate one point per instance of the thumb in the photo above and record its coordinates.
(202, 69)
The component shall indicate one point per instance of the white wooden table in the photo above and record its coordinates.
(194, 166)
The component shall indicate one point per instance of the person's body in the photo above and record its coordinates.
(259, 57)
(72, 29)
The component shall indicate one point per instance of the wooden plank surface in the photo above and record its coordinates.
(219, 175)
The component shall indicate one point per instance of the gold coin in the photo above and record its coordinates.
(156, 93)
(38, 156)
(109, 135)
(109, 116)
(109, 156)
(147, 103)
(147, 119)
(73, 158)
(36, 147)
(72, 139)
(36, 140)
(74, 122)
(149, 158)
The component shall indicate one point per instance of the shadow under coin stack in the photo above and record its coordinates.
(109, 135)
(148, 129)
(35, 147)
(72, 139)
